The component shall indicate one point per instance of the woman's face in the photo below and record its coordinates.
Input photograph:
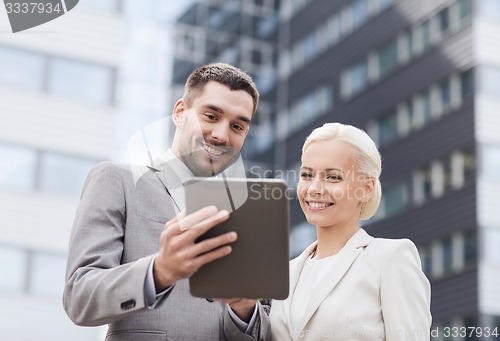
(331, 188)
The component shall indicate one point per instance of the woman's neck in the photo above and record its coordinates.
(332, 239)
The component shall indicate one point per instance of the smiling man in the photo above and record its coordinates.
(129, 260)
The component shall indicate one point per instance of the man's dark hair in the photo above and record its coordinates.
(231, 76)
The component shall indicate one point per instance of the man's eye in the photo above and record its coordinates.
(238, 127)
(210, 117)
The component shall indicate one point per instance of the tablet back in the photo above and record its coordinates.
(258, 265)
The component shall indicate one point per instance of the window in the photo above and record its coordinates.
(47, 276)
(447, 247)
(469, 246)
(14, 265)
(422, 109)
(355, 79)
(95, 82)
(426, 258)
(394, 199)
(445, 95)
(21, 69)
(17, 167)
(309, 47)
(387, 128)
(444, 20)
(422, 186)
(61, 174)
(359, 12)
(466, 83)
(388, 58)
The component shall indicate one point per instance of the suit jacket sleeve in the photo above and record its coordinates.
(405, 295)
(99, 289)
(261, 330)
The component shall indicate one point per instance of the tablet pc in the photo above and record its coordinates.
(257, 267)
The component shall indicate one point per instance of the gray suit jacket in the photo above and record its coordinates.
(115, 235)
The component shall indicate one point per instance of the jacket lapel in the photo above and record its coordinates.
(169, 179)
(296, 266)
(332, 275)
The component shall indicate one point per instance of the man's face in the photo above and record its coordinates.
(210, 133)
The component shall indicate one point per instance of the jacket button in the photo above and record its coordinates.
(128, 305)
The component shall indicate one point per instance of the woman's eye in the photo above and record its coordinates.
(334, 177)
(306, 175)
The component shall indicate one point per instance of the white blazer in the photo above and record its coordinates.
(374, 289)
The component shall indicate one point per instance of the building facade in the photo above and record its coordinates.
(72, 92)
(422, 78)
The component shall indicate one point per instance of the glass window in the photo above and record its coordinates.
(95, 82)
(359, 12)
(469, 164)
(332, 30)
(447, 245)
(14, 265)
(466, 83)
(17, 167)
(266, 26)
(301, 236)
(309, 46)
(388, 58)
(427, 184)
(394, 198)
(21, 69)
(63, 174)
(47, 275)
(426, 34)
(470, 246)
(426, 106)
(388, 128)
(445, 94)
(426, 258)
(444, 20)
(385, 3)
(356, 78)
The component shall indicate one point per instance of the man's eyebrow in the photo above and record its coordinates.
(215, 108)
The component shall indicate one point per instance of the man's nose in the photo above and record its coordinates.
(220, 133)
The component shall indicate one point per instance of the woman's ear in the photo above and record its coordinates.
(178, 112)
(369, 189)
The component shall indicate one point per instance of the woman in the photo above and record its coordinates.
(348, 285)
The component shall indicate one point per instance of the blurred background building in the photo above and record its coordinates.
(72, 91)
(421, 77)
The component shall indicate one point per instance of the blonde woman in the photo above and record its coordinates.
(348, 285)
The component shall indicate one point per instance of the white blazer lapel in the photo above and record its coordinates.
(333, 274)
(296, 266)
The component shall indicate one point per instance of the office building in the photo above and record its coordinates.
(421, 77)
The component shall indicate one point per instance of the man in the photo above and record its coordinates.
(128, 268)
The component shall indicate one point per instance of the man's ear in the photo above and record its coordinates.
(178, 112)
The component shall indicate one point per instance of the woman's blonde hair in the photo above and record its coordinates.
(366, 156)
